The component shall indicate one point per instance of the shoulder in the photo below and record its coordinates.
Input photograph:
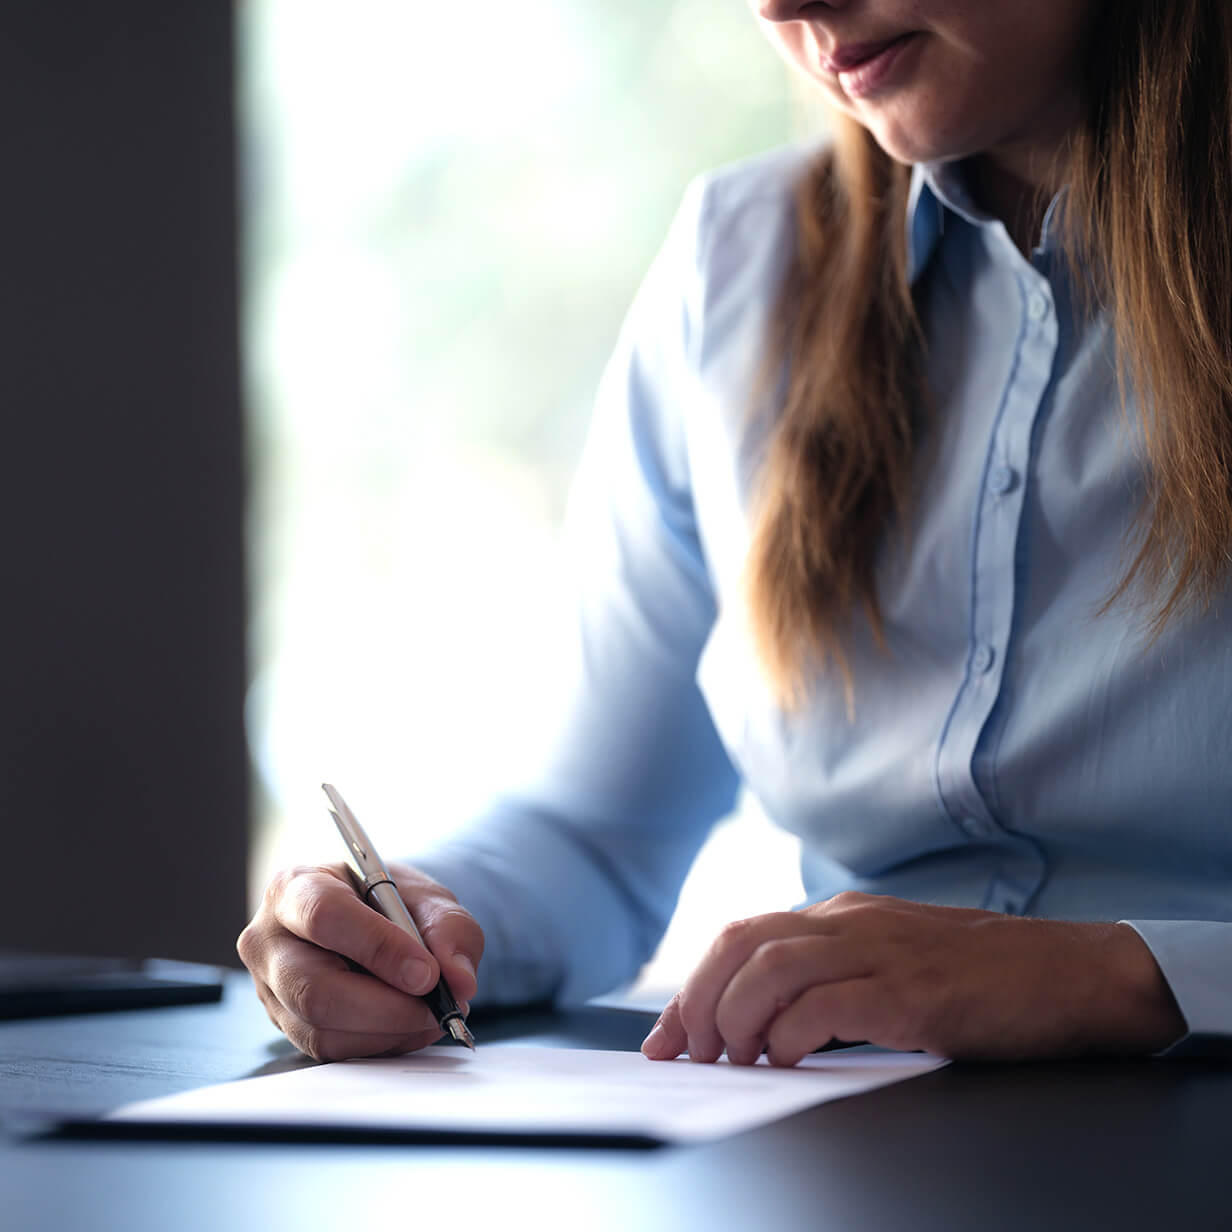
(749, 203)
(763, 182)
(717, 275)
(740, 199)
(735, 234)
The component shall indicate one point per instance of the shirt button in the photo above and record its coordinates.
(1000, 480)
(1037, 306)
(982, 658)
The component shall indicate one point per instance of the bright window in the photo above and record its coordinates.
(447, 210)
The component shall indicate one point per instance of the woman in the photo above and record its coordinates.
(908, 502)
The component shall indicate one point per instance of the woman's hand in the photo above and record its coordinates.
(311, 933)
(954, 982)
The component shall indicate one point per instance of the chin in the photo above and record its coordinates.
(916, 147)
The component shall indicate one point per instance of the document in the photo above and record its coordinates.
(510, 1089)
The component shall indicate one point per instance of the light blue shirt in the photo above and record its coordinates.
(1014, 750)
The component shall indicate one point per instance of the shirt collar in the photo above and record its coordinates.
(940, 188)
(925, 220)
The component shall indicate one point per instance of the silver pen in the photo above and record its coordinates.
(377, 889)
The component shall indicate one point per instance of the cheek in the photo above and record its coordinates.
(959, 102)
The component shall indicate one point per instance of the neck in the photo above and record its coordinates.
(1016, 180)
(1019, 199)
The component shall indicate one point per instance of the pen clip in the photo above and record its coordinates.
(371, 868)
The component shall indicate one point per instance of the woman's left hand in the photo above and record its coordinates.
(950, 981)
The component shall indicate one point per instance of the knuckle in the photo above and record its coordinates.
(774, 957)
(846, 900)
(280, 883)
(736, 1022)
(462, 925)
(314, 1043)
(313, 910)
(246, 946)
(298, 880)
(473, 939)
(735, 934)
(275, 887)
(451, 916)
(309, 1001)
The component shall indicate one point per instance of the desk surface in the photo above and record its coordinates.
(1042, 1147)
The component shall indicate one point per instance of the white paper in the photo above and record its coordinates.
(504, 1088)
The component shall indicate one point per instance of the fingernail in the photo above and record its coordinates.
(463, 963)
(415, 975)
(653, 1043)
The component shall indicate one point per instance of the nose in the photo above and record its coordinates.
(794, 10)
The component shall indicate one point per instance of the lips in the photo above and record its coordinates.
(852, 55)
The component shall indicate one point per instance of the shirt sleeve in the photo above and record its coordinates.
(574, 876)
(1195, 957)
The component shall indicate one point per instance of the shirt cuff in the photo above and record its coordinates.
(1195, 957)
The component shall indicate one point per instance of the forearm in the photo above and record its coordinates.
(565, 914)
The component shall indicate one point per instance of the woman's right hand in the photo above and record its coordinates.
(312, 934)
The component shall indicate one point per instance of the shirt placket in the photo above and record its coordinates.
(998, 516)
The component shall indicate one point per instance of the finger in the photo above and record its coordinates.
(700, 996)
(329, 1044)
(448, 929)
(273, 1010)
(845, 1009)
(340, 1046)
(318, 989)
(775, 975)
(326, 1044)
(317, 906)
(667, 1038)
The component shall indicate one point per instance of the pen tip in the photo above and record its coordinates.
(459, 1030)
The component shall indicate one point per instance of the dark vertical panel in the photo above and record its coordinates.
(123, 782)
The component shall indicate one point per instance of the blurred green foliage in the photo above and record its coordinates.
(446, 211)
(516, 230)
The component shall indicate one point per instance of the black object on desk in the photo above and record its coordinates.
(39, 985)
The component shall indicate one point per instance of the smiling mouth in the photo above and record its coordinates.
(868, 70)
(852, 55)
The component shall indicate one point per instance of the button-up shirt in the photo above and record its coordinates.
(1013, 746)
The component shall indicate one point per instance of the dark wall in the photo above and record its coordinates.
(123, 781)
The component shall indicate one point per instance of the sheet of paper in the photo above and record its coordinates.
(504, 1088)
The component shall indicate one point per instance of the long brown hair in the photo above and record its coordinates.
(1149, 209)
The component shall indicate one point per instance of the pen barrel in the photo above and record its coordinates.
(384, 896)
(440, 1001)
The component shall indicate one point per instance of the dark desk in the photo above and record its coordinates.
(1047, 1148)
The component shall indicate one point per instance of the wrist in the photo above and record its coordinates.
(1137, 1015)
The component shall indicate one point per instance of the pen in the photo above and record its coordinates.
(377, 889)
